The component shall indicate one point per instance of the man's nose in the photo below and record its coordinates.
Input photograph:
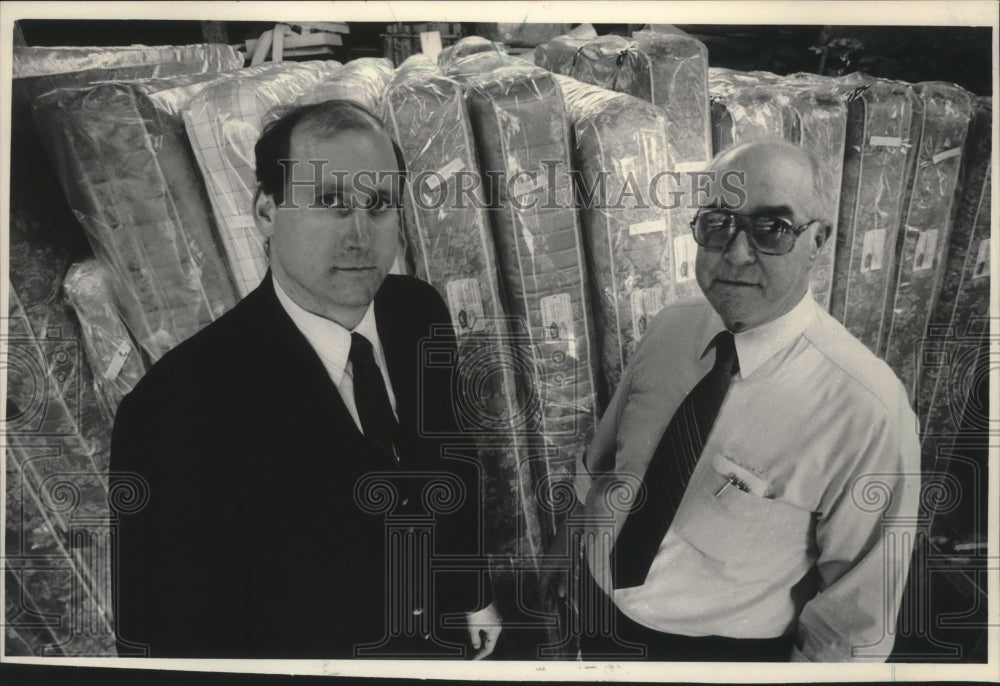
(739, 251)
(359, 234)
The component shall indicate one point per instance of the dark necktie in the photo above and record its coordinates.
(378, 423)
(670, 469)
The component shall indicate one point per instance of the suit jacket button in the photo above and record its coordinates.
(406, 502)
(419, 611)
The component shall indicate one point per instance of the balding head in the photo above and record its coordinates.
(775, 179)
(776, 164)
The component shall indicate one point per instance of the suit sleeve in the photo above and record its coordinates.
(168, 598)
(865, 543)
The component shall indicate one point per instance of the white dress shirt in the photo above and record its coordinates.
(821, 433)
(332, 342)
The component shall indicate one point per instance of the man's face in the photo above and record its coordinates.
(327, 251)
(745, 287)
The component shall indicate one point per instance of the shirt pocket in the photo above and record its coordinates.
(732, 525)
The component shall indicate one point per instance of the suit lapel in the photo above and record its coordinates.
(293, 362)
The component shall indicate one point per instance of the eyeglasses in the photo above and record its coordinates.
(715, 230)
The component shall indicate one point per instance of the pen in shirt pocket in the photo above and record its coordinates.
(733, 480)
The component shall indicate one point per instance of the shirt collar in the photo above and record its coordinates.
(759, 344)
(331, 341)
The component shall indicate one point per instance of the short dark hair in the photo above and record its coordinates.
(326, 118)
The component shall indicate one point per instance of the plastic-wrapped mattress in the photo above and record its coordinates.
(115, 359)
(470, 45)
(944, 114)
(128, 173)
(362, 81)
(223, 123)
(557, 55)
(621, 147)
(959, 329)
(596, 62)
(522, 137)
(876, 162)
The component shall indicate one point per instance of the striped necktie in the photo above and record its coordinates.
(670, 469)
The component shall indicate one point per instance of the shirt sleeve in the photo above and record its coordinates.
(864, 542)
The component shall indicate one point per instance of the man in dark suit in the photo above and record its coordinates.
(280, 448)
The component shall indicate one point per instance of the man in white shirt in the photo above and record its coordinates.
(294, 494)
(775, 513)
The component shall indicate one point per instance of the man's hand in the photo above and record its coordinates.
(484, 630)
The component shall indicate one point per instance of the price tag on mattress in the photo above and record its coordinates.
(923, 257)
(465, 305)
(118, 361)
(946, 155)
(685, 251)
(527, 185)
(982, 267)
(646, 302)
(873, 250)
(685, 167)
(653, 226)
(444, 173)
(886, 141)
(557, 317)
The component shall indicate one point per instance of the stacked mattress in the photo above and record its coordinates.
(128, 173)
(114, 357)
(362, 81)
(671, 71)
(880, 140)
(943, 116)
(621, 145)
(596, 62)
(520, 123)
(959, 329)
(223, 123)
(558, 54)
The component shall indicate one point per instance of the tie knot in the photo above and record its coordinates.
(725, 353)
(361, 349)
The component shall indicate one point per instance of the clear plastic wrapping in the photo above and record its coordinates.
(744, 112)
(943, 122)
(523, 140)
(621, 143)
(557, 54)
(115, 359)
(128, 173)
(362, 81)
(32, 61)
(960, 322)
(671, 71)
(470, 45)
(596, 62)
(880, 140)
(223, 122)
(521, 34)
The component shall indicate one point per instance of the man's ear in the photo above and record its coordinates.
(821, 234)
(263, 212)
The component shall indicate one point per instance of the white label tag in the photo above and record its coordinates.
(684, 167)
(653, 226)
(527, 185)
(646, 302)
(886, 141)
(982, 268)
(557, 317)
(685, 250)
(923, 257)
(430, 43)
(445, 173)
(118, 361)
(873, 250)
(465, 305)
(946, 154)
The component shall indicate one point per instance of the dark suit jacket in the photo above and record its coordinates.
(256, 540)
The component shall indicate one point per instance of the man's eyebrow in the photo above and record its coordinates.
(775, 210)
